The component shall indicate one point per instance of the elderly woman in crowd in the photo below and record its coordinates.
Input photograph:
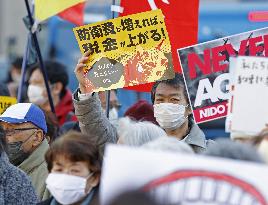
(74, 166)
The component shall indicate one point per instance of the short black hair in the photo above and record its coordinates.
(2, 140)
(56, 72)
(17, 63)
(176, 82)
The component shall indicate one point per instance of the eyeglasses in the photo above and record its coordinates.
(14, 131)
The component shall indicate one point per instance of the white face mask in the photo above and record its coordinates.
(65, 188)
(170, 116)
(35, 94)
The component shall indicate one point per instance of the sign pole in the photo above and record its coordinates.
(42, 67)
(108, 93)
(24, 65)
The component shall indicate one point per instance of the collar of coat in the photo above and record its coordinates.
(36, 158)
(195, 136)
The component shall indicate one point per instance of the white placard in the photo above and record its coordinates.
(176, 178)
(249, 111)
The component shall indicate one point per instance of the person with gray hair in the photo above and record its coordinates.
(227, 148)
(134, 133)
(169, 144)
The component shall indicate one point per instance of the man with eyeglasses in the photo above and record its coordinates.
(25, 127)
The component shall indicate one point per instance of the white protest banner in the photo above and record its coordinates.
(248, 111)
(183, 179)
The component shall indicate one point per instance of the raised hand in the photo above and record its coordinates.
(84, 84)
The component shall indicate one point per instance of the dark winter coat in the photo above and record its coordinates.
(15, 185)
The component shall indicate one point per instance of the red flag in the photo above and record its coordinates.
(74, 14)
(181, 19)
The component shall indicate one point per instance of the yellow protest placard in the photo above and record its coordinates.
(6, 102)
(126, 51)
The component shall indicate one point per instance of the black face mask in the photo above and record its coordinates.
(15, 153)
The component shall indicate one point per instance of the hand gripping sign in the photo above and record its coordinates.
(126, 51)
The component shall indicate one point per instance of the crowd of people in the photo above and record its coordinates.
(56, 158)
